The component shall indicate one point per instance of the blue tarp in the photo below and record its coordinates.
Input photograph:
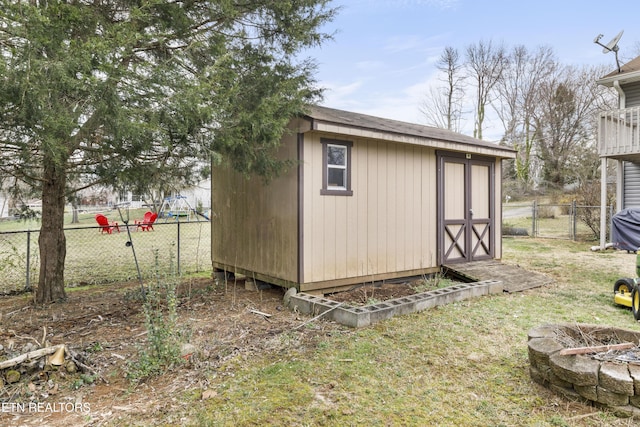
(625, 229)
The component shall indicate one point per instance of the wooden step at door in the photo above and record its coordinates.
(513, 277)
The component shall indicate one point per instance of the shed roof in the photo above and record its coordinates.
(347, 122)
(629, 72)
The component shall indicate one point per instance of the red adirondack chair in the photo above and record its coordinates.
(146, 223)
(105, 225)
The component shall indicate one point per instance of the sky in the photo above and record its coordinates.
(382, 58)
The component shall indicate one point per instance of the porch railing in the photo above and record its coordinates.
(619, 133)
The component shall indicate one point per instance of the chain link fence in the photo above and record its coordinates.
(558, 221)
(95, 257)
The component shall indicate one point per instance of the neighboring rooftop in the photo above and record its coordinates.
(629, 72)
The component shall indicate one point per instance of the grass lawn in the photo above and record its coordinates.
(463, 364)
(85, 220)
(93, 257)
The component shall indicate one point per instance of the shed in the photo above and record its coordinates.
(370, 199)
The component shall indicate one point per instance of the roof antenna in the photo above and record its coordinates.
(611, 46)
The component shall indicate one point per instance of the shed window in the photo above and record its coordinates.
(336, 174)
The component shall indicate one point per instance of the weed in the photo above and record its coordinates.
(162, 350)
(323, 345)
(11, 258)
(369, 297)
(558, 421)
(429, 283)
(94, 347)
(77, 383)
(372, 301)
(133, 295)
(83, 380)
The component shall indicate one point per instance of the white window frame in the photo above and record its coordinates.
(333, 190)
(343, 168)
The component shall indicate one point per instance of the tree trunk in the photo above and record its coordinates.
(53, 247)
(74, 211)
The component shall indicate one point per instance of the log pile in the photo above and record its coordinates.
(32, 368)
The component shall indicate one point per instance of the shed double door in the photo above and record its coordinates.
(465, 208)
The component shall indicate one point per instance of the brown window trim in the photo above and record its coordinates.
(333, 192)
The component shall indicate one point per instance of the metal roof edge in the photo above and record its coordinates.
(445, 136)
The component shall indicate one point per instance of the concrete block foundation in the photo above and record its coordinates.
(357, 317)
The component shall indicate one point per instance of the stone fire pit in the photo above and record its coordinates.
(606, 375)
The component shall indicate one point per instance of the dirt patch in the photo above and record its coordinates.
(373, 293)
(105, 327)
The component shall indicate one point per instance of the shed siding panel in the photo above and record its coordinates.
(373, 236)
(339, 252)
(351, 252)
(328, 243)
(428, 215)
(405, 171)
(410, 206)
(241, 239)
(361, 174)
(313, 208)
(387, 226)
(387, 189)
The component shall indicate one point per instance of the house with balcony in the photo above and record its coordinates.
(619, 139)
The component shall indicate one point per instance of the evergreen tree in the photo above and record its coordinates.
(115, 92)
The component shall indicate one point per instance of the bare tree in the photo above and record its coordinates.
(443, 106)
(564, 123)
(547, 110)
(486, 64)
(525, 71)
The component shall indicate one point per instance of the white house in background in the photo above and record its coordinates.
(198, 197)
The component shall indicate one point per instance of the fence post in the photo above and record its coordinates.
(178, 261)
(574, 220)
(534, 210)
(28, 263)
